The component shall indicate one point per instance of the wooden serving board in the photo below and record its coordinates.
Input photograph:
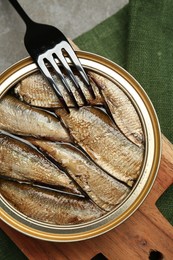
(144, 231)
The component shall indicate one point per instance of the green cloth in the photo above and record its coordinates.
(109, 38)
(8, 250)
(150, 55)
(165, 202)
(140, 39)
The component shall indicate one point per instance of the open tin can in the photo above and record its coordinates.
(148, 118)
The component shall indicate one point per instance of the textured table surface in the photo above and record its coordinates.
(72, 17)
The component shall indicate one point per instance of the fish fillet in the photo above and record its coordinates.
(93, 130)
(47, 206)
(21, 119)
(22, 162)
(36, 91)
(104, 190)
(121, 108)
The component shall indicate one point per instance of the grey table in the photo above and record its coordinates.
(72, 17)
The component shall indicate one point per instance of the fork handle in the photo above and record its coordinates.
(21, 12)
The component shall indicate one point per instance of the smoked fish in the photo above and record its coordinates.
(35, 91)
(104, 190)
(94, 131)
(48, 206)
(22, 119)
(22, 162)
(121, 108)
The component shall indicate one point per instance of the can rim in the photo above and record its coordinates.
(109, 69)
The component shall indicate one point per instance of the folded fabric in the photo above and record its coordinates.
(8, 250)
(140, 39)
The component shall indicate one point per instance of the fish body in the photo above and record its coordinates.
(35, 91)
(104, 190)
(22, 119)
(22, 162)
(121, 108)
(94, 131)
(48, 206)
(108, 160)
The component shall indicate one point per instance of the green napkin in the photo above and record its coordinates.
(140, 39)
(8, 250)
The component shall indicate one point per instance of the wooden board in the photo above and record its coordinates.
(144, 231)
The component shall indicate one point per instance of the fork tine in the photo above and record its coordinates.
(66, 85)
(78, 66)
(42, 66)
(71, 75)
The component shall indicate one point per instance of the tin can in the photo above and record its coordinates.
(148, 117)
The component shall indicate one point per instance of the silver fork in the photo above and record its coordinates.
(45, 44)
